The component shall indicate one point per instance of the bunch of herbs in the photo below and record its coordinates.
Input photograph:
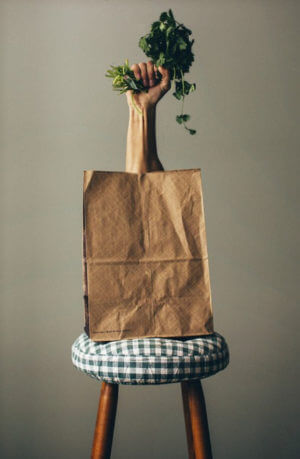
(168, 44)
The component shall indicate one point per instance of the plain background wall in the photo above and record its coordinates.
(59, 116)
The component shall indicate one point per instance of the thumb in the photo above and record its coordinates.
(165, 83)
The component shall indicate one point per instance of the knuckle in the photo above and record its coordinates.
(150, 68)
(166, 86)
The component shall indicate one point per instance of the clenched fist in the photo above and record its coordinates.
(156, 89)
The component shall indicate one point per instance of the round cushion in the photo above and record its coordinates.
(151, 360)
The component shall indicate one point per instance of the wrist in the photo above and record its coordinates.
(142, 110)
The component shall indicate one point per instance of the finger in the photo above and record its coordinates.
(151, 74)
(165, 83)
(136, 71)
(143, 69)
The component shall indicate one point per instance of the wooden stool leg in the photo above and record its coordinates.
(105, 422)
(187, 418)
(196, 424)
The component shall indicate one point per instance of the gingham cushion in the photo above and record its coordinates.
(150, 360)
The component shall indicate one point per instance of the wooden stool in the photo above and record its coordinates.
(152, 361)
(196, 424)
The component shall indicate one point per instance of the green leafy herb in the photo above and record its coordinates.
(124, 79)
(168, 45)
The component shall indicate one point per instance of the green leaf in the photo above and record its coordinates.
(161, 60)
(171, 14)
(131, 82)
(192, 131)
(163, 16)
(179, 119)
(185, 117)
(169, 31)
(177, 94)
(143, 44)
(155, 25)
(181, 43)
(192, 88)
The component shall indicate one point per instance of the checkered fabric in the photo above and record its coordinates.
(151, 360)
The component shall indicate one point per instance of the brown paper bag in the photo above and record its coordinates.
(145, 264)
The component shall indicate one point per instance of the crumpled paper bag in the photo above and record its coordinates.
(145, 263)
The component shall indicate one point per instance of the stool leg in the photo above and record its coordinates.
(196, 424)
(105, 422)
(187, 418)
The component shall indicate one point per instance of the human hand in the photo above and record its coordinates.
(156, 89)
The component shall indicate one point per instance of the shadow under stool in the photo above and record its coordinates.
(152, 361)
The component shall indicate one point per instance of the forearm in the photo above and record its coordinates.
(141, 149)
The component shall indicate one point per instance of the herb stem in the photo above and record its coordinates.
(182, 105)
(173, 81)
(182, 83)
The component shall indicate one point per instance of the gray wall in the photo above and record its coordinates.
(59, 116)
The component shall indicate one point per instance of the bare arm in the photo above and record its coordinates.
(141, 149)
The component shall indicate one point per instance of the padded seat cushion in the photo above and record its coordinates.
(151, 360)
